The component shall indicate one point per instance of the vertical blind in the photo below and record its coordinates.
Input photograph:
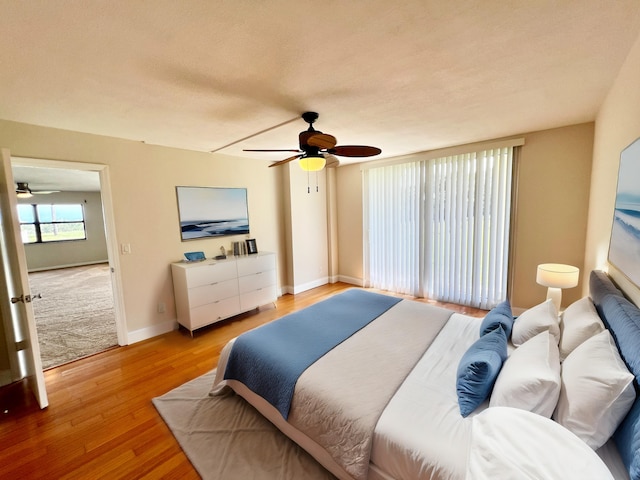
(439, 228)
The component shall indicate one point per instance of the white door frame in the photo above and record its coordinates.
(109, 225)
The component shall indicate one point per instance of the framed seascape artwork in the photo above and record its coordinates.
(624, 248)
(208, 212)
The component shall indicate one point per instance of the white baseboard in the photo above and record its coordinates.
(81, 264)
(307, 286)
(150, 332)
(353, 281)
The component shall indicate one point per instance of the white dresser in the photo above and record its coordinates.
(209, 291)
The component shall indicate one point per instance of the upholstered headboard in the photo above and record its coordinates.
(622, 318)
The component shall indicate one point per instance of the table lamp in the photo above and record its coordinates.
(557, 276)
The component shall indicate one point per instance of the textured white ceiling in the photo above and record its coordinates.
(403, 76)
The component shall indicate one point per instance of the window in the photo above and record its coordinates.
(43, 223)
(439, 228)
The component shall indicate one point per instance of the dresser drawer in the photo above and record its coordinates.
(210, 293)
(257, 298)
(249, 283)
(255, 264)
(213, 312)
(210, 273)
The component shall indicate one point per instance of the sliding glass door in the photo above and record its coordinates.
(439, 228)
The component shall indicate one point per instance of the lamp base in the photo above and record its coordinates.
(555, 294)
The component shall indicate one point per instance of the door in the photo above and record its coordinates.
(16, 294)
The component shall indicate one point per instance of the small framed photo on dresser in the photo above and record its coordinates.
(251, 246)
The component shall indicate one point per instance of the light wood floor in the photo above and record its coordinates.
(101, 423)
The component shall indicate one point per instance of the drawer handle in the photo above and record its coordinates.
(217, 301)
(214, 283)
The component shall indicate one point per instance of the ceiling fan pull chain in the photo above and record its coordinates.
(317, 182)
(308, 183)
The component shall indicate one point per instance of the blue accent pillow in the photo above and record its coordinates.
(500, 315)
(479, 368)
(623, 320)
(600, 285)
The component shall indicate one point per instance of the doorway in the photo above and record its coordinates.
(79, 313)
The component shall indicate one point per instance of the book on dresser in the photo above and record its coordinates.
(212, 290)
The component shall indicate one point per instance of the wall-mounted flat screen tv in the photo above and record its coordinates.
(207, 212)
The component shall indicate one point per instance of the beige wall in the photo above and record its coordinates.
(143, 179)
(307, 227)
(551, 208)
(553, 192)
(617, 126)
(63, 254)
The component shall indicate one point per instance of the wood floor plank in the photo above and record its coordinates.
(101, 423)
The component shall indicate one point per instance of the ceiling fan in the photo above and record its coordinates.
(23, 190)
(317, 149)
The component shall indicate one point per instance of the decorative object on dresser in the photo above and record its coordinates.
(252, 247)
(194, 256)
(209, 291)
(557, 276)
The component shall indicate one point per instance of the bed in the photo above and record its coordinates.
(374, 387)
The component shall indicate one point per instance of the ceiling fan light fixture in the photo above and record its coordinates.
(312, 163)
(24, 195)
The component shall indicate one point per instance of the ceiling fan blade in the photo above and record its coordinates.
(250, 150)
(354, 151)
(331, 161)
(44, 192)
(286, 160)
(322, 140)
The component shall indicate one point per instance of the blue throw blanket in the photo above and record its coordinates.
(270, 359)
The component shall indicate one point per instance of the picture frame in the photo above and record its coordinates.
(252, 247)
(624, 245)
(211, 212)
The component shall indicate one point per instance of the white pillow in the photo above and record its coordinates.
(579, 322)
(537, 319)
(597, 390)
(511, 443)
(530, 377)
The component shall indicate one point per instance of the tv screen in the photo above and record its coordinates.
(207, 212)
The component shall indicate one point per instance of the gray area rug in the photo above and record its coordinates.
(75, 316)
(226, 438)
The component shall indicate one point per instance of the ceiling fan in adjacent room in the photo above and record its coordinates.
(317, 149)
(23, 191)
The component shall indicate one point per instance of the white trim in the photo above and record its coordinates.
(152, 331)
(444, 152)
(352, 280)
(308, 286)
(109, 227)
(69, 265)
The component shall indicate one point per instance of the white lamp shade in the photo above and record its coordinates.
(557, 275)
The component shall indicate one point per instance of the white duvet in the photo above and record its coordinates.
(420, 433)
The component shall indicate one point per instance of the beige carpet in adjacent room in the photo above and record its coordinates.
(75, 316)
(226, 438)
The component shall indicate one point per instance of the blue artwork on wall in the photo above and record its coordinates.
(624, 248)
